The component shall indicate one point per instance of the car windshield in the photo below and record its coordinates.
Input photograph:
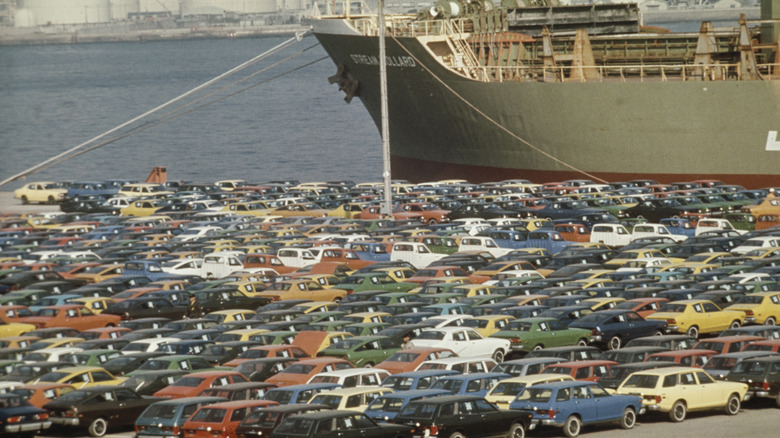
(280, 396)
(209, 415)
(262, 419)
(641, 381)
(324, 399)
(673, 308)
(154, 365)
(292, 426)
(423, 411)
(750, 367)
(387, 404)
(431, 334)
(508, 388)
(520, 326)
(536, 395)
(451, 385)
(299, 369)
(403, 357)
(160, 411)
(75, 396)
(189, 382)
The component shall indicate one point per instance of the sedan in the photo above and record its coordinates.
(615, 327)
(342, 424)
(464, 341)
(98, 409)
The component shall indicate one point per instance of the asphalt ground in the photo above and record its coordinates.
(757, 417)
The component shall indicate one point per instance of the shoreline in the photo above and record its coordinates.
(29, 37)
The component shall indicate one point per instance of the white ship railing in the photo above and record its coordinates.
(625, 73)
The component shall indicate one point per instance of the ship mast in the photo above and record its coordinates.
(387, 207)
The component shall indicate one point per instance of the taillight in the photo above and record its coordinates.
(434, 430)
(43, 416)
(652, 398)
(765, 386)
(748, 313)
(14, 419)
(671, 321)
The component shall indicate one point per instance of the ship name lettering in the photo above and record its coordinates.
(392, 61)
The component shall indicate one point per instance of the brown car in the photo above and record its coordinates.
(303, 370)
(72, 316)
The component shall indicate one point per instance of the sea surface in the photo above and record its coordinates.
(288, 122)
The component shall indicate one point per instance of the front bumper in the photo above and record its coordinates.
(27, 427)
(64, 421)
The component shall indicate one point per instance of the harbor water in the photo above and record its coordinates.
(288, 123)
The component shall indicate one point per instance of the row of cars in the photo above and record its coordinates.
(474, 304)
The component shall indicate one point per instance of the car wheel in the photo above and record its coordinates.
(25, 201)
(538, 347)
(51, 200)
(582, 342)
(677, 414)
(732, 405)
(658, 333)
(98, 427)
(770, 321)
(628, 420)
(517, 431)
(457, 435)
(368, 365)
(498, 356)
(693, 332)
(572, 426)
(614, 343)
(735, 324)
(432, 222)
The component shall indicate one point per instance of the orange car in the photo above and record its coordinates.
(71, 316)
(190, 385)
(221, 419)
(409, 359)
(14, 313)
(263, 351)
(303, 370)
(41, 393)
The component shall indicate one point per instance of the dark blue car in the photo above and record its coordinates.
(614, 328)
(19, 417)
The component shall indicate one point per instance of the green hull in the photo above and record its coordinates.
(666, 130)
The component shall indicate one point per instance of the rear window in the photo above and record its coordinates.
(423, 411)
(538, 395)
(641, 381)
(209, 415)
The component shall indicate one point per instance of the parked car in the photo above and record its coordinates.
(352, 377)
(528, 334)
(297, 393)
(761, 374)
(386, 407)
(98, 409)
(149, 382)
(342, 424)
(463, 415)
(192, 384)
(469, 384)
(303, 370)
(165, 418)
(18, 416)
(363, 350)
(220, 419)
(263, 422)
(415, 379)
(613, 328)
(356, 399)
(693, 317)
(570, 405)
(463, 341)
(677, 390)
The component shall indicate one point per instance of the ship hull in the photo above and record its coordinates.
(444, 125)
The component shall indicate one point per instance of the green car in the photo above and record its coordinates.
(362, 351)
(536, 333)
(374, 281)
(93, 358)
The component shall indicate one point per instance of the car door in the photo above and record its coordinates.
(474, 418)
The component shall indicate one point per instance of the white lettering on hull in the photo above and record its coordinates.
(392, 61)
(771, 141)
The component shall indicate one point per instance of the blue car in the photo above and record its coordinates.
(415, 379)
(386, 407)
(161, 419)
(572, 404)
(470, 384)
(298, 393)
(613, 328)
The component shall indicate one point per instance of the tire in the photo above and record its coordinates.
(693, 332)
(732, 405)
(628, 420)
(572, 426)
(735, 324)
(582, 342)
(770, 321)
(658, 333)
(51, 200)
(457, 435)
(368, 365)
(498, 356)
(538, 347)
(432, 222)
(98, 427)
(678, 412)
(25, 201)
(516, 431)
(614, 343)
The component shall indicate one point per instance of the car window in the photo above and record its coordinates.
(467, 407)
(598, 391)
(687, 379)
(581, 392)
(563, 394)
(704, 378)
(670, 381)
(353, 401)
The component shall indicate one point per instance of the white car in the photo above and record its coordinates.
(757, 243)
(464, 341)
(183, 266)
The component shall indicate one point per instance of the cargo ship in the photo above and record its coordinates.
(549, 93)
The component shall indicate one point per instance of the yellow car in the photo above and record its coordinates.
(44, 192)
(697, 316)
(506, 390)
(239, 335)
(95, 304)
(302, 289)
(759, 307)
(81, 377)
(144, 207)
(96, 274)
(352, 399)
(677, 390)
(486, 325)
(56, 342)
(602, 303)
(14, 328)
(230, 315)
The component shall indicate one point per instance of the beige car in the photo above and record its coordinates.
(352, 399)
(506, 390)
(677, 390)
(44, 192)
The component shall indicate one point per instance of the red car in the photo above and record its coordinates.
(72, 316)
(221, 419)
(190, 385)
